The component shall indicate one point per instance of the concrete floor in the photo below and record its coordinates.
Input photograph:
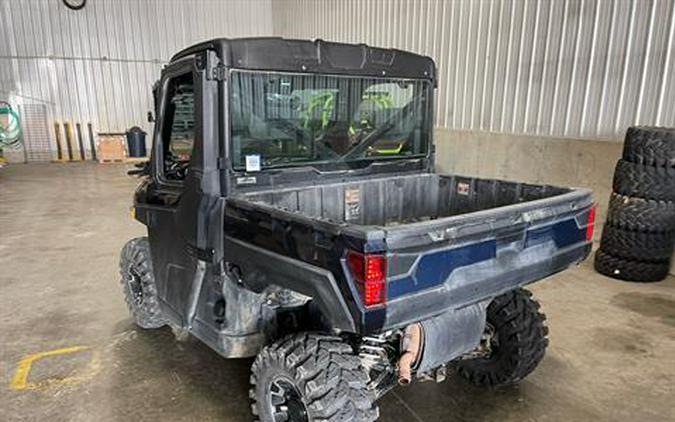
(612, 353)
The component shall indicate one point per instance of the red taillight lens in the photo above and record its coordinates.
(590, 223)
(370, 273)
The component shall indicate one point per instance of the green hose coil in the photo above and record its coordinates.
(11, 134)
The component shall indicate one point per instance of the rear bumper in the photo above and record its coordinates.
(484, 280)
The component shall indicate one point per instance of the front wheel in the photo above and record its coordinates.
(310, 377)
(138, 284)
(514, 341)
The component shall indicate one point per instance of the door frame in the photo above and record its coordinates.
(185, 211)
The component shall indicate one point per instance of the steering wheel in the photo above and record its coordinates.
(364, 119)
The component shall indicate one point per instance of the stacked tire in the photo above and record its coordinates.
(637, 239)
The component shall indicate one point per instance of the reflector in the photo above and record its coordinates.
(590, 223)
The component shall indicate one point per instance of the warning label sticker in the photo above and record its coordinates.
(352, 203)
(463, 188)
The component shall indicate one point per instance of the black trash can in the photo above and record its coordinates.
(136, 142)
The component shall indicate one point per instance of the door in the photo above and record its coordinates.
(183, 198)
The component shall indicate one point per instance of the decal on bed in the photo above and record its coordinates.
(352, 203)
(463, 188)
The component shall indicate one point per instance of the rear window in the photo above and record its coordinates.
(283, 119)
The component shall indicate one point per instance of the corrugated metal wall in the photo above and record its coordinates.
(97, 64)
(571, 68)
(574, 68)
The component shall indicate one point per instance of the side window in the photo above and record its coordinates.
(178, 127)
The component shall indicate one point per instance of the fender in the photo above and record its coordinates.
(261, 268)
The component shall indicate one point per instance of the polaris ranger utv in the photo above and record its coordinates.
(293, 214)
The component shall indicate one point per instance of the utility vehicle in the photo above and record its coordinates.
(293, 214)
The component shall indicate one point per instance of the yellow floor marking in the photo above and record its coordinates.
(20, 379)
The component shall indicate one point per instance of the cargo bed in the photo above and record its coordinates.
(395, 201)
(409, 210)
(450, 240)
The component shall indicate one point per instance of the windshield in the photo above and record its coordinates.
(282, 119)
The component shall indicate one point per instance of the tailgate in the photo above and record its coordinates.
(456, 261)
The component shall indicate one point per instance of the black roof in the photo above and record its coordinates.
(280, 54)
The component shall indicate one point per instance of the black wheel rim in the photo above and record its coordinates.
(135, 285)
(490, 340)
(286, 402)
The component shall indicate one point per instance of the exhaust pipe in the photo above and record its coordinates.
(431, 343)
(410, 347)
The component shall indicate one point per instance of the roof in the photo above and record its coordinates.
(318, 56)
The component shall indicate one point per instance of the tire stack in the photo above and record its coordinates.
(637, 239)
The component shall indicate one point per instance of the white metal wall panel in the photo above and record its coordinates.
(571, 68)
(577, 68)
(98, 64)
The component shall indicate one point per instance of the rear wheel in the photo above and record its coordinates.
(309, 377)
(514, 342)
(138, 284)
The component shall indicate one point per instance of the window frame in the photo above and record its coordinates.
(428, 124)
(175, 71)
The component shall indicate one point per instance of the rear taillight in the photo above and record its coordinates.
(370, 273)
(590, 223)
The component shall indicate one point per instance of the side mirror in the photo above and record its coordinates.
(151, 117)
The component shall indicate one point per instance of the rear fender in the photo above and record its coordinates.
(260, 268)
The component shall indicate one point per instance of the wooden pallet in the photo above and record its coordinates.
(111, 149)
(111, 161)
(134, 160)
(126, 160)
